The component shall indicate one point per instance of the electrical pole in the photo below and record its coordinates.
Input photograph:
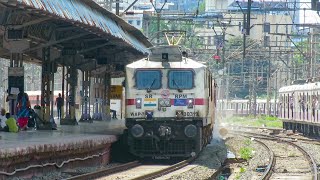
(269, 82)
(248, 17)
(117, 8)
(158, 28)
(254, 78)
(223, 45)
(245, 31)
(312, 54)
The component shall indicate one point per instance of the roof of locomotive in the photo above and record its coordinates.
(166, 57)
(304, 87)
(185, 63)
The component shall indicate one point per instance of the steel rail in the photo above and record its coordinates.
(267, 174)
(312, 141)
(311, 160)
(217, 172)
(308, 156)
(167, 170)
(105, 172)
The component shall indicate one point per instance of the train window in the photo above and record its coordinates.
(180, 79)
(148, 79)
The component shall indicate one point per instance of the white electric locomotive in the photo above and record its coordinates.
(170, 104)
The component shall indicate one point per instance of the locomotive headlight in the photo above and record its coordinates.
(137, 131)
(190, 103)
(138, 103)
(190, 131)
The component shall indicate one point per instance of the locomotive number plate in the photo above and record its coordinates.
(161, 157)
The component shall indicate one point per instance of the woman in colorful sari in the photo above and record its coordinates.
(23, 108)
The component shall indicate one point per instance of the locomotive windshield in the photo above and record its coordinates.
(148, 79)
(180, 79)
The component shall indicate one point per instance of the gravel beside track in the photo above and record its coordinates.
(312, 149)
(290, 162)
(204, 166)
(260, 158)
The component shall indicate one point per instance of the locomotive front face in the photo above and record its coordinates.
(166, 107)
(165, 94)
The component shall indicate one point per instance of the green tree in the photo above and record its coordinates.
(240, 70)
(202, 7)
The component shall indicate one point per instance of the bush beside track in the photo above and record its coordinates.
(258, 121)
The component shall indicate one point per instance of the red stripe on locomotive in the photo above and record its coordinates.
(199, 101)
(130, 102)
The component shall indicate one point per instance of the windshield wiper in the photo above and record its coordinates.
(149, 89)
(174, 82)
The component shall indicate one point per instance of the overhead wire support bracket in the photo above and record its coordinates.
(133, 3)
(295, 45)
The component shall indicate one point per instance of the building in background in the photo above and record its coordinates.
(107, 4)
(217, 5)
(183, 6)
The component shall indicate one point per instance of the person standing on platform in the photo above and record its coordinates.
(10, 101)
(2, 119)
(23, 110)
(114, 114)
(59, 103)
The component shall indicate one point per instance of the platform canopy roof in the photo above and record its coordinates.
(70, 26)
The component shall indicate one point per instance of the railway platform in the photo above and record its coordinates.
(32, 152)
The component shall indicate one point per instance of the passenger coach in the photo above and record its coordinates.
(299, 107)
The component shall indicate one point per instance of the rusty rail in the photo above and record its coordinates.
(105, 172)
(167, 170)
(311, 160)
(267, 174)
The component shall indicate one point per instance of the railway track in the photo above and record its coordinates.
(303, 139)
(134, 170)
(166, 170)
(266, 175)
(272, 161)
(272, 164)
(105, 172)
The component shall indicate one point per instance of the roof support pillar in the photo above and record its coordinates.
(15, 81)
(98, 92)
(47, 82)
(63, 91)
(85, 100)
(106, 96)
(72, 81)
